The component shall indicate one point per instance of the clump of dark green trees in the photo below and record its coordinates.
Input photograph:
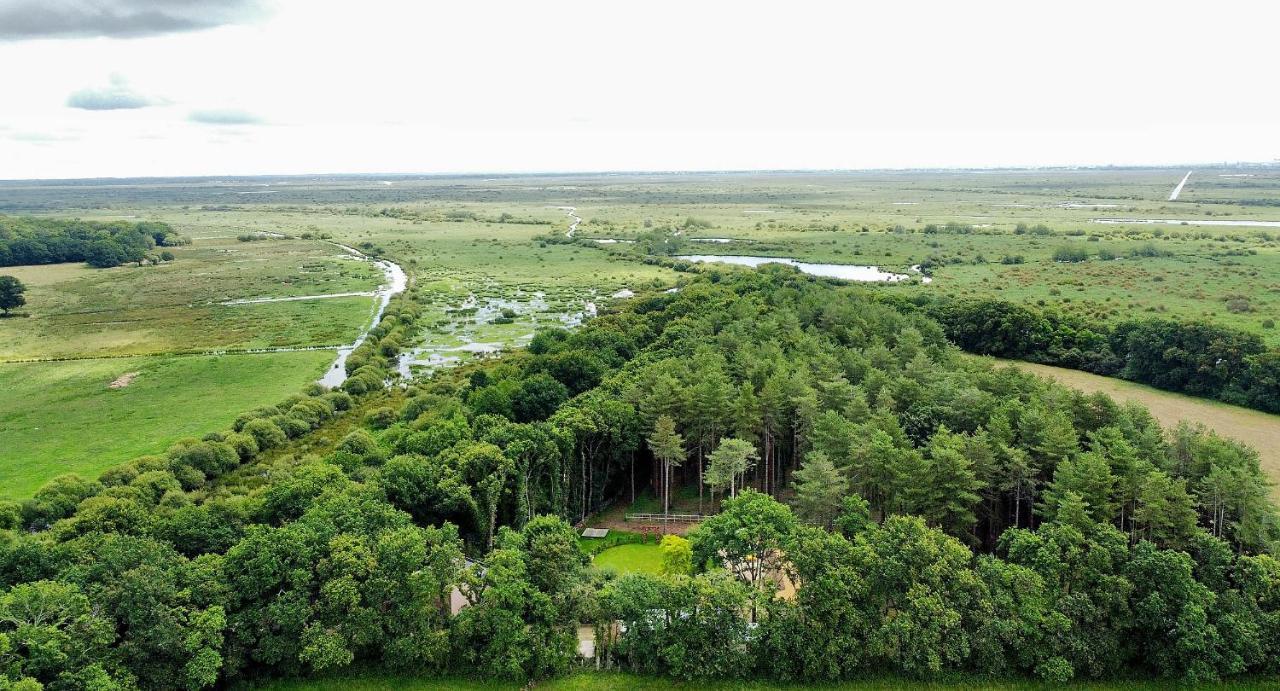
(25, 241)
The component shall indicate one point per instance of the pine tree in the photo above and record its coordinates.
(1021, 479)
(1166, 514)
(819, 488)
(730, 460)
(1071, 509)
(1086, 475)
(1057, 441)
(712, 407)
(668, 448)
(950, 490)
(833, 435)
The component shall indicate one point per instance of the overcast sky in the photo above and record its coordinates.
(192, 87)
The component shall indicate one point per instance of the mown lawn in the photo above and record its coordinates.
(629, 559)
(63, 417)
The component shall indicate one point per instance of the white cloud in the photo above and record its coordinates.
(118, 96)
(386, 86)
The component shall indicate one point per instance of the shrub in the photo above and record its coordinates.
(293, 427)
(381, 418)
(1070, 254)
(266, 433)
(1239, 305)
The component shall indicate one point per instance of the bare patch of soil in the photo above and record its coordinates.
(123, 380)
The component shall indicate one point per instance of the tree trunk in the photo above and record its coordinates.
(666, 488)
(699, 478)
(1017, 507)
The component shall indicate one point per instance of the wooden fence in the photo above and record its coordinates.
(666, 518)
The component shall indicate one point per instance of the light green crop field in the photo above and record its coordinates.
(65, 417)
(616, 681)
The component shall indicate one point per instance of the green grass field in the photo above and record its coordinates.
(63, 417)
(629, 559)
(614, 681)
(76, 311)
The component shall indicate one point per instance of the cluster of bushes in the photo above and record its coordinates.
(1072, 254)
(260, 236)
(373, 361)
(25, 241)
(1187, 357)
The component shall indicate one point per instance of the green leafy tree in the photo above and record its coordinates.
(730, 461)
(677, 556)
(11, 293)
(53, 631)
(920, 588)
(748, 537)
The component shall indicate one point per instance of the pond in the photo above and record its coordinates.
(1192, 222)
(847, 272)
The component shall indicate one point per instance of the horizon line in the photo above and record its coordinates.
(1273, 163)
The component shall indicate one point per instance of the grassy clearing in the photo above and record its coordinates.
(62, 417)
(616, 681)
(1257, 429)
(629, 559)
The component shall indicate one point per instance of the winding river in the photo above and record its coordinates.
(573, 213)
(396, 282)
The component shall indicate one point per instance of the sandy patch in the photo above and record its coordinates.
(123, 380)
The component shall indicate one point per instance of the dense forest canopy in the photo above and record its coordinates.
(934, 514)
(29, 240)
(1195, 358)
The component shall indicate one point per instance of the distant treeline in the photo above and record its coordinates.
(25, 240)
(1192, 357)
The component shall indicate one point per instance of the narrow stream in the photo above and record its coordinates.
(396, 282)
(573, 213)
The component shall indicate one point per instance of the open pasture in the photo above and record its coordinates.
(67, 417)
(76, 311)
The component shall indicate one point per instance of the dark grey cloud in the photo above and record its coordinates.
(118, 96)
(224, 116)
(30, 19)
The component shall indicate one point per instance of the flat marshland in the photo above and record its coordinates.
(486, 271)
